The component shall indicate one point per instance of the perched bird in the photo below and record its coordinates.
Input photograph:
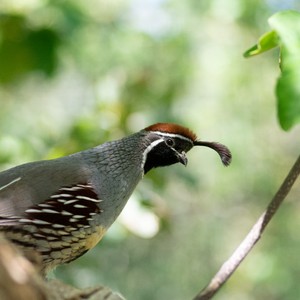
(61, 208)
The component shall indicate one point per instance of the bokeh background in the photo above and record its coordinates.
(75, 73)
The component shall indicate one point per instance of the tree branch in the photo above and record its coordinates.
(19, 280)
(252, 238)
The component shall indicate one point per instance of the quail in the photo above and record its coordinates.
(61, 208)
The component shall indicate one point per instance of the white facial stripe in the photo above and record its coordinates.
(151, 146)
(10, 183)
(148, 149)
(155, 143)
(174, 135)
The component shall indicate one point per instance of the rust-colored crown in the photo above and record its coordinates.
(174, 129)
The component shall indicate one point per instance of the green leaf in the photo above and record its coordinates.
(287, 26)
(285, 34)
(288, 98)
(266, 42)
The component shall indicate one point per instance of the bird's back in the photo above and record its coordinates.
(61, 208)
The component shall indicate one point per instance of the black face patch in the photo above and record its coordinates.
(166, 152)
(182, 144)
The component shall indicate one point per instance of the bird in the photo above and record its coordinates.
(61, 208)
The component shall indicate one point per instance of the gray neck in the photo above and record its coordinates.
(119, 167)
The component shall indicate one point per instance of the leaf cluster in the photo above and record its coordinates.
(285, 34)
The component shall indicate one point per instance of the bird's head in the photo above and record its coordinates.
(169, 144)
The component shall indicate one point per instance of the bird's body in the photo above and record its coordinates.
(61, 208)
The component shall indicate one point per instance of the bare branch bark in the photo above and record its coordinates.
(252, 238)
(19, 280)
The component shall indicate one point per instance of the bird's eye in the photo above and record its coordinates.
(170, 142)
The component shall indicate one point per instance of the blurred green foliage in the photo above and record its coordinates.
(24, 49)
(75, 74)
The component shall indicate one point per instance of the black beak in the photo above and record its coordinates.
(182, 158)
(222, 150)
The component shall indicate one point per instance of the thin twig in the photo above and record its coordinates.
(252, 237)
